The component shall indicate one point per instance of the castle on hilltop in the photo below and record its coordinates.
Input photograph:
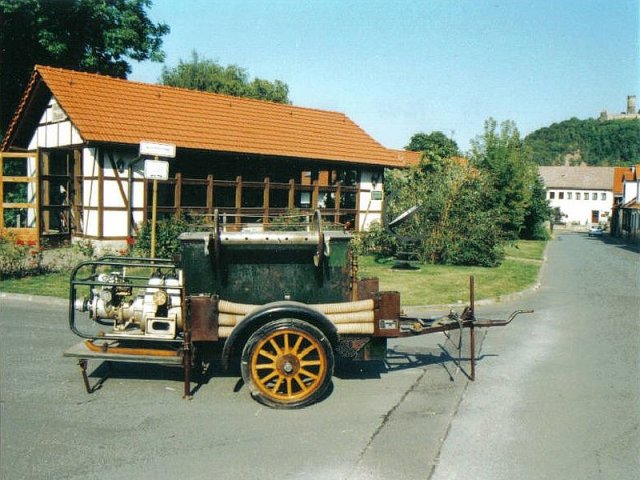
(631, 113)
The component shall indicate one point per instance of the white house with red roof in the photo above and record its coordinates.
(583, 194)
(627, 212)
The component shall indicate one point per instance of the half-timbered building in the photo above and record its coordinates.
(71, 165)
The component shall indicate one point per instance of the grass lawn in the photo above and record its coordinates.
(50, 284)
(443, 284)
(429, 285)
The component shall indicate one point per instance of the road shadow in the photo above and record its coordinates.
(107, 370)
(618, 242)
(450, 355)
(605, 238)
(450, 360)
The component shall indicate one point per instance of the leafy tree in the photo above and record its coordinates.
(590, 141)
(455, 223)
(502, 155)
(434, 145)
(91, 35)
(469, 208)
(537, 214)
(208, 76)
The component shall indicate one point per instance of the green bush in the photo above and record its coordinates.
(377, 241)
(293, 220)
(85, 247)
(478, 245)
(167, 232)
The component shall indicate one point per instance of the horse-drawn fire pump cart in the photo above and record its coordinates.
(284, 302)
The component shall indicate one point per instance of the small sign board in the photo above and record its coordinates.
(156, 169)
(376, 195)
(166, 150)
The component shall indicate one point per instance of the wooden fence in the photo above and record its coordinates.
(251, 201)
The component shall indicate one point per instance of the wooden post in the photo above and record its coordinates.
(178, 195)
(2, 193)
(316, 194)
(145, 200)
(154, 208)
(472, 336)
(100, 194)
(292, 194)
(357, 225)
(210, 201)
(77, 190)
(67, 186)
(154, 215)
(238, 199)
(338, 199)
(265, 201)
(44, 191)
(36, 174)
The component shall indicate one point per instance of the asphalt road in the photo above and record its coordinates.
(562, 398)
(379, 421)
(557, 396)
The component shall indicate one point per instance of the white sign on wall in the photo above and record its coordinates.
(156, 169)
(166, 150)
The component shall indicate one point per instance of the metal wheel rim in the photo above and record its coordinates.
(288, 365)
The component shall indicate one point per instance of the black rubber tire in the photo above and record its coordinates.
(287, 363)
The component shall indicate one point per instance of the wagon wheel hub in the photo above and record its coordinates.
(288, 365)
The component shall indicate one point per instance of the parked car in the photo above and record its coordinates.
(596, 231)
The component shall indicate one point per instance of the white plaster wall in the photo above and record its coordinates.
(54, 129)
(579, 211)
(370, 209)
(112, 195)
(31, 191)
(90, 168)
(631, 191)
(138, 192)
(114, 223)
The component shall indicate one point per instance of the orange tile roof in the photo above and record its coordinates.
(106, 109)
(620, 174)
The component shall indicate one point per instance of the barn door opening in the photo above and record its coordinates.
(59, 195)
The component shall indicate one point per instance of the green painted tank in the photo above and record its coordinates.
(262, 267)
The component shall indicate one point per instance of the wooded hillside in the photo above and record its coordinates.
(592, 141)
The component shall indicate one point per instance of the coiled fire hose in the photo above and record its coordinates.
(348, 317)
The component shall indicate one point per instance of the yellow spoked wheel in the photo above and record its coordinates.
(287, 363)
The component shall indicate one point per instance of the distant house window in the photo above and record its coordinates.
(577, 195)
(594, 196)
(586, 195)
(569, 195)
(603, 196)
(552, 195)
(560, 195)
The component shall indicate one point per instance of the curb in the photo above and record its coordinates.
(40, 299)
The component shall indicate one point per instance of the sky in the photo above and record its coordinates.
(400, 67)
